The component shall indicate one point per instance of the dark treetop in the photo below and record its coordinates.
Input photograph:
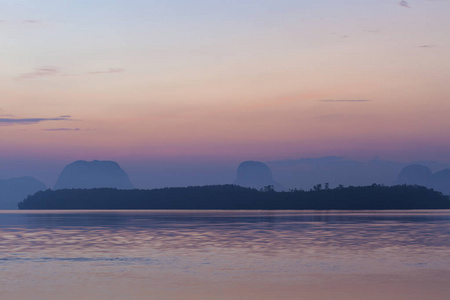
(236, 197)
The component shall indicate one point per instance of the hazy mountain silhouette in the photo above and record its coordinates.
(255, 174)
(93, 174)
(441, 181)
(415, 174)
(421, 175)
(14, 190)
(306, 172)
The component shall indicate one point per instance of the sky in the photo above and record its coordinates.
(187, 81)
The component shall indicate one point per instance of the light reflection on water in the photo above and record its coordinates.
(223, 254)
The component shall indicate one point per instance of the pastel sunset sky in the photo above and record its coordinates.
(174, 79)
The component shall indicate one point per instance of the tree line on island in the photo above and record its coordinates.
(236, 197)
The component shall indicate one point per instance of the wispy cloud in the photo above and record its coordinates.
(31, 21)
(109, 71)
(40, 72)
(51, 71)
(427, 46)
(404, 4)
(26, 21)
(373, 30)
(2, 114)
(29, 121)
(62, 129)
(345, 100)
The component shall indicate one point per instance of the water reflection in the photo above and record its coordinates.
(219, 245)
(266, 231)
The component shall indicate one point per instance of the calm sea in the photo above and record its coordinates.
(94, 255)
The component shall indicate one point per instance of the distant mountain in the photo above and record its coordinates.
(93, 174)
(441, 181)
(422, 175)
(14, 190)
(304, 173)
(415, 174)
(255, 174)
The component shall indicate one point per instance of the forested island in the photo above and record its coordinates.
(236, 197)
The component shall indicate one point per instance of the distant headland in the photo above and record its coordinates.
(372, 197)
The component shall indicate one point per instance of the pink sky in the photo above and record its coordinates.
(147, 81)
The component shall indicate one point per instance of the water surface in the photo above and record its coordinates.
(75, 255)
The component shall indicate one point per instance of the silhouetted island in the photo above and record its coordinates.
(236, 197)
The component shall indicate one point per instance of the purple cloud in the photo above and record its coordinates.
(40, 72)
(29, 121)
(62, 129)
(404, 4)
(31, 21)
(55, 71)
